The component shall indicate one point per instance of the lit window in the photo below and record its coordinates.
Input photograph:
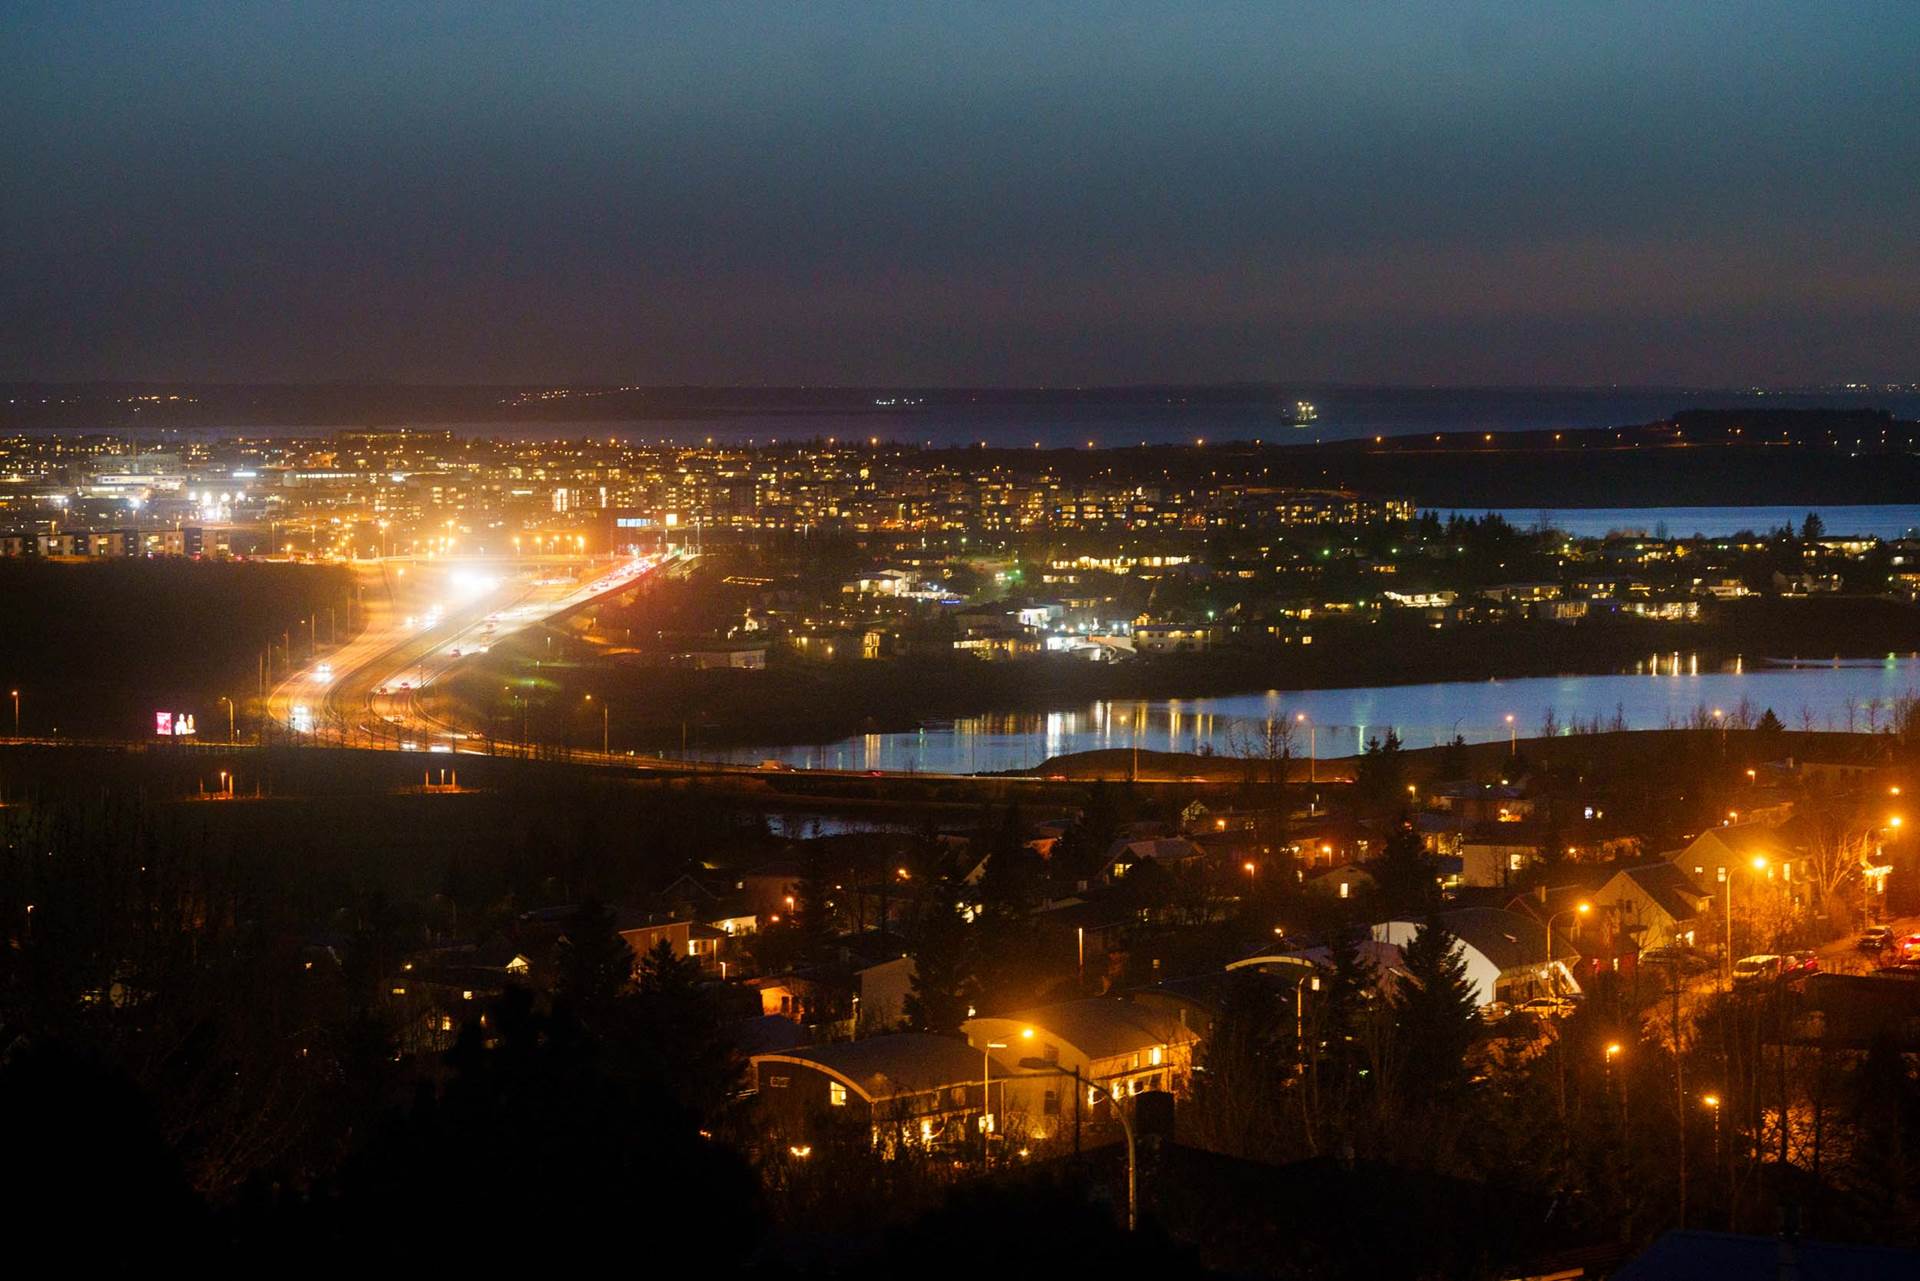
(1156, 1056)
(836, 1094)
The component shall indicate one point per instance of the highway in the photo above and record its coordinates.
(421, 619)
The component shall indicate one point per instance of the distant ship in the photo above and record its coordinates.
(1304, 414)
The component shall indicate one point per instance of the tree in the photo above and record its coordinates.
(1813, 528)
(1378, 779)
(1435, 1015)
(594, 965)
(812, 910)
(944, 982)
(1244, 1065)
(1266, 746)
(1346, 992)
(1454, 764)
(1404, 873)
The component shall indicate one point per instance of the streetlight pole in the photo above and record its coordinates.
(1759, 865)
(604, 722)
(1313, 747)
(1578, 909)
(1126, 1127)
(986, 1098)
(229, 703)
(1546, 981)
(16, 713)
(1513, 736)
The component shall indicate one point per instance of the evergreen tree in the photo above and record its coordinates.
(594, 964)
(665, 973)
(1435, 1015)
(1405, 874)
(1244, 1065)
(1346, 993)
(944, 983)
(1453, 763)
(813, 920)
(1380, 775)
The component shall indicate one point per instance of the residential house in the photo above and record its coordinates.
(1124, 1046)
(902, 1089)
(1657, 905)
(1509, 957)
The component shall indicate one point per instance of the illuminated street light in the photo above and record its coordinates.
(1578, 909)
(1759, 864)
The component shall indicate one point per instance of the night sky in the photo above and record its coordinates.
(962, 193)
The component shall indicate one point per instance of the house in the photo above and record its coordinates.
(771, 889)
(1175, 853)
(902, 1089)
(1488, 863)
(1173, 638)
(1309, 964)
(1657, 905)
(1124, 1046)
(1345, 881)
(881, 989)
(1767, 850)
(1509, 957)
(695, 940)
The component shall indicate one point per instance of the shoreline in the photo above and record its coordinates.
(794, 705)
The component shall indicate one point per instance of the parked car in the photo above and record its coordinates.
(1875, 939)
(1755, 969)
(1910, 947)
(1799, 964)
(1678, 957)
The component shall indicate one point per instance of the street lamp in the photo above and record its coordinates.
(16, 713)
(1313, 747)
(1759, 864)
(229, 703)
(1578, 909)
(1126, 1127)
(605, 713)
(986, 1095)
(1513, 736)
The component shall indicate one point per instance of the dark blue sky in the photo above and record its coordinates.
(1461, 192)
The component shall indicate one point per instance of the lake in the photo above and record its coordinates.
(1668, 690)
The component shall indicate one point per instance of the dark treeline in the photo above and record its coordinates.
(97, 648)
